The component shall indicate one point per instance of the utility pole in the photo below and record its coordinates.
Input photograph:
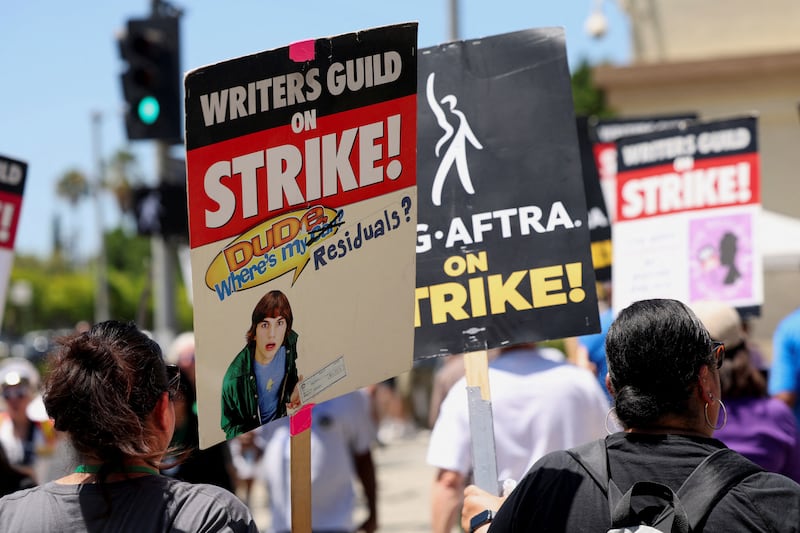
(101, 305)
(162, 247)
(164, 262)
(454, 35)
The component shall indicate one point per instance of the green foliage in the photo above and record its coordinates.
(60, 298)
(126, 252)
(587, 99)
(63, 294)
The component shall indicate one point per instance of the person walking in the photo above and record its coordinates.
(540, 403)
(761, 428)
(342, 434)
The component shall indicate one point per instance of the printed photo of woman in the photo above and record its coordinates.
(261, 381)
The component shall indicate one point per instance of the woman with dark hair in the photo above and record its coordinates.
(664, 378)
(761, 428)
(261, 381)
(109, 390)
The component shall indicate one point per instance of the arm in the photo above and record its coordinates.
(475, 501)
(784, 371)
(230, 419)
(365, 470)
(294, 399)
(445, 500)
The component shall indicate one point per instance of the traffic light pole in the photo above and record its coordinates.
(163, 268)
(163, 250)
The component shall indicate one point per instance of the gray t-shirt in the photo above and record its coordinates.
(149, 503)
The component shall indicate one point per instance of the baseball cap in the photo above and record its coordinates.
(18, 371)
(722, 322)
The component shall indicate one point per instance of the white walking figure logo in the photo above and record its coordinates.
(457, 151)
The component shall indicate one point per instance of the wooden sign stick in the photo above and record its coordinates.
(476, 367)
(300, 465)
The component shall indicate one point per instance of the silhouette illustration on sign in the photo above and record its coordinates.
(727, 257)
(456, 152)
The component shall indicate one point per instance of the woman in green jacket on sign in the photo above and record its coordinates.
(261, 381)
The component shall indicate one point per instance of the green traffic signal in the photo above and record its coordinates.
(148, 110)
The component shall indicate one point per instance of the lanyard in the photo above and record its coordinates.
(134, 469)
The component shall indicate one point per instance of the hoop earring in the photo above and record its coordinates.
(724, 416)
(608, 415)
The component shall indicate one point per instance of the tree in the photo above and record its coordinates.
(588, 99)
(123, 175)
(73, 186)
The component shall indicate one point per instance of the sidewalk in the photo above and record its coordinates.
(404, 486)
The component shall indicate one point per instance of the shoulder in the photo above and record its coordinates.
(776, 409)
(291, 338)
(210, 504)
(20, 496)
(767, 501)
(240, 364)
(556, 494)
(789, 327)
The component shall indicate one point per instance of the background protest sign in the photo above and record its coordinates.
(598, 217)
(604, 132)
(502, 240)
(12, 186)
(301, 167)
(687, 207)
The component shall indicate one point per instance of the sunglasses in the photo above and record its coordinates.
(718, 349)
(173, 381)
(15, 393)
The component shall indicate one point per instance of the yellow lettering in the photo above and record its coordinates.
(545, 281)
(448, 299)
(501, 292)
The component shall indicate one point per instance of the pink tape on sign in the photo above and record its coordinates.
(302, 51)
(301, 420)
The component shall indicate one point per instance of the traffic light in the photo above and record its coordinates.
(151, 83)
(161, 210)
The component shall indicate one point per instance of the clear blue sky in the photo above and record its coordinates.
(59, 63)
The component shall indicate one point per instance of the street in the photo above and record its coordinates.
(404, 485)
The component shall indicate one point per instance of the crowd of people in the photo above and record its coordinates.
(107, 437)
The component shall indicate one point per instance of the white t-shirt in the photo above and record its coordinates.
(340, 428)
(14, 446)
(539, 405)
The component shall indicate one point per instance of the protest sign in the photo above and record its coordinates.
(12, 186)
(604, 132)
(301, 182)
(687, 207)
(598, 216)
(502, 240)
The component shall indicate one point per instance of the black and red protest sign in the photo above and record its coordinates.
(603, 134)
(301, 184)
(598, 216)
(502, 239)
(12, 186)
(686, 217)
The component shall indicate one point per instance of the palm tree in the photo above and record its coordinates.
(123, 175)
(73, 186)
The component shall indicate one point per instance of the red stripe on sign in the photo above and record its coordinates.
(332, 160)
(10, 205)
(688, 185)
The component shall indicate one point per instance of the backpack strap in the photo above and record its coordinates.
(701, 491)
(593, 457)
(711, 480)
